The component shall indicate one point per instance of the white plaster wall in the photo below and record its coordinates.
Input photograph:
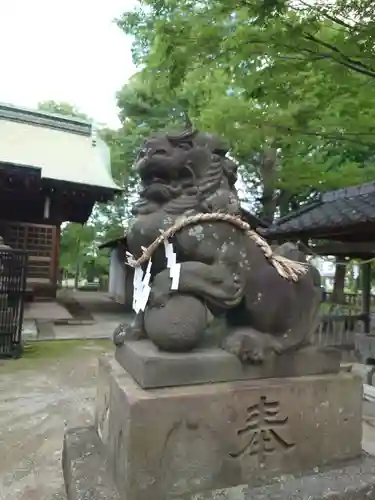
(116, 286)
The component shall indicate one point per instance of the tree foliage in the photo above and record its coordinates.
(289, 83)
(62, 108)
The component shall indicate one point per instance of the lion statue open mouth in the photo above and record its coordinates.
(223, 272)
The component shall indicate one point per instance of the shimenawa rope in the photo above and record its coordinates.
(287, 268)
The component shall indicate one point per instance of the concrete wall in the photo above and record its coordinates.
(120, 286)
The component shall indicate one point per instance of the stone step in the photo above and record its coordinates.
(352, 481)
(85, 467)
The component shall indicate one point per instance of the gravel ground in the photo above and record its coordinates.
(52, 386)
(38, 397)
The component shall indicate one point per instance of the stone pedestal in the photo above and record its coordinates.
(202, 441)
(152, 368)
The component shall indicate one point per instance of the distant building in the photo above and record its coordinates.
(326, 269)
(53, 169)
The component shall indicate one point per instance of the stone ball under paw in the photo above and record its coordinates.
(179, 325)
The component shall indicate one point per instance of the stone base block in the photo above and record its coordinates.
(365, 347)
(171, 443)
(152, 368)
(355, 480)
(85, 469)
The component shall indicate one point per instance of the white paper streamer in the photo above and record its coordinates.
(141, 288)
(174, 268)
(170, 255)
(175, 275)
(137, 288)
(141, 281)
(144, 297)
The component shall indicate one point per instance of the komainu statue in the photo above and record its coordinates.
(196, 260)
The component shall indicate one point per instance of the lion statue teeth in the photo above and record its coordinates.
(224, 273)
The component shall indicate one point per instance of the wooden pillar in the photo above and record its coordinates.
(366, 294)
(56, 258)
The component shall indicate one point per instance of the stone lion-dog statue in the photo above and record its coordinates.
(268, 299)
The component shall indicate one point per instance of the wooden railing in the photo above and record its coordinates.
(353, 299)
(338, 330)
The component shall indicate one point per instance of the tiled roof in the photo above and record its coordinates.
(63, 148)
(40, 118)
(335, 210)
(254, 221)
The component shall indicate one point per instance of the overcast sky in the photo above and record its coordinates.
(66, 51)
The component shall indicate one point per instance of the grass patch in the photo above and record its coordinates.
(59, 348)
(51, 349)
(40, 353)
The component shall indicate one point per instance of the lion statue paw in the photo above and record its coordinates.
(124, 332)
(251, 346)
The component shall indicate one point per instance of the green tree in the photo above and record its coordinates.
(297, 118)
(143, 112)
(77, 245)
(62, 108)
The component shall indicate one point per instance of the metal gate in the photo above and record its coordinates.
(13, 266)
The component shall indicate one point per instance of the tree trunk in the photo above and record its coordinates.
(268, 174)
(78, 262)
(350, 276)
(283, 202)
(76, 276)
(338, 296)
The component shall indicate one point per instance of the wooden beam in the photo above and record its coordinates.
(56, 257)
(363, 231)
(346, 249)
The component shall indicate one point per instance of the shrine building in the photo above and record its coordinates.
(53, 169)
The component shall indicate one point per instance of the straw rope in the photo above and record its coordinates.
(287, 268)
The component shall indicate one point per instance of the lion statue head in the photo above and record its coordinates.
(186, 172)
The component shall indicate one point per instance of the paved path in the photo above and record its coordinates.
(36, 403)
(44, 321)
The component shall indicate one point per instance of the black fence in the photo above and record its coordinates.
(13, 266)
